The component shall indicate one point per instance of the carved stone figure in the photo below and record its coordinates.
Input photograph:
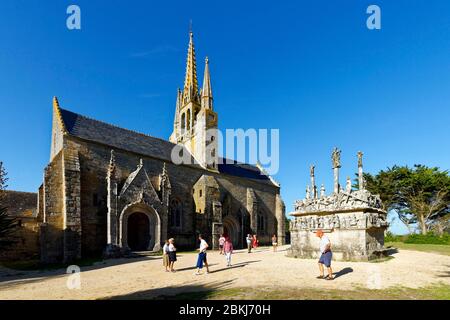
(336, 221)
(336, 158)
(348, 185)
(347, 222)
(310, 223)
(321, 220)
(303, 223)
(360, 155)
(326, 223)
(311, 170)
(331, 222)
(315, 222)
(308, 193)
(353, 221)
(322, 191)
(362, 221)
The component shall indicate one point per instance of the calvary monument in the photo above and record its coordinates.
(353, 220)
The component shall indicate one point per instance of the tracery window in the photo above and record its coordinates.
(175, 214)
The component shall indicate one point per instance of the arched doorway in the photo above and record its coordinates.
(232, 229)
(140, 228)
(138, 231)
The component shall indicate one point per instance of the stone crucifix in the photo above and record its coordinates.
(313, 182)
(336, 162)
(360, 171)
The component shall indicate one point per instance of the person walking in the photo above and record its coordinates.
(202, 255)
(255, 242)
(249, 242)
(166, 255)
(325, 256)
(228, 249)
(172, 254)
(221, 243)
(274, 242)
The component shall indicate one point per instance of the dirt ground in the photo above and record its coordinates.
(146, 278)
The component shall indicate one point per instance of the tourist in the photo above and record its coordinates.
(221, 243)
(274, 242)
(255, 242)
(325, 256)
(202, 255)
(172, 254)
(249, 242)
(166, 261)
(228, 249)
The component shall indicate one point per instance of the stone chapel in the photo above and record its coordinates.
(110, 190)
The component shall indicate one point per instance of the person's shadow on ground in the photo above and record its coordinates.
(342, 272)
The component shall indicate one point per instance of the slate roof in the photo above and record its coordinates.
(93, 130)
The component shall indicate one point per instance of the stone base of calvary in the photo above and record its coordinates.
(353, 220)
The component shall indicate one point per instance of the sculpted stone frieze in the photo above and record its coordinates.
(333, 221)
(344, 200)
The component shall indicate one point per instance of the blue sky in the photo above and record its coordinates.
(309, 68)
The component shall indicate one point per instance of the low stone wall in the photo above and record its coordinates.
(25, 238)
(25, 242)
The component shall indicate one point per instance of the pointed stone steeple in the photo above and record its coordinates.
(207, 97)
(195, 123)
(190, 90)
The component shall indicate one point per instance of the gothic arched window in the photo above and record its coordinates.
(261, 222)
(183, 122)
(175, 214)
(188, 120)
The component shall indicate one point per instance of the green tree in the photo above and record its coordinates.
(3, 180)
(419, 195)
(7, 223)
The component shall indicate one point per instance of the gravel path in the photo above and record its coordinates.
(146, 278)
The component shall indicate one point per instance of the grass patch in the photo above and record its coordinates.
(436, 292)
(429, 238)
(434, 248)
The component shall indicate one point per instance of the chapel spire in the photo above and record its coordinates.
(207, 97)
(190, 90)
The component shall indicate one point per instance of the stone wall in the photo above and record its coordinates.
(72, 205)
(51, 231)
(25, 238)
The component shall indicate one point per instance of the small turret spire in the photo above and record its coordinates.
(177, 108)
(207, 97)
(112, 164)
